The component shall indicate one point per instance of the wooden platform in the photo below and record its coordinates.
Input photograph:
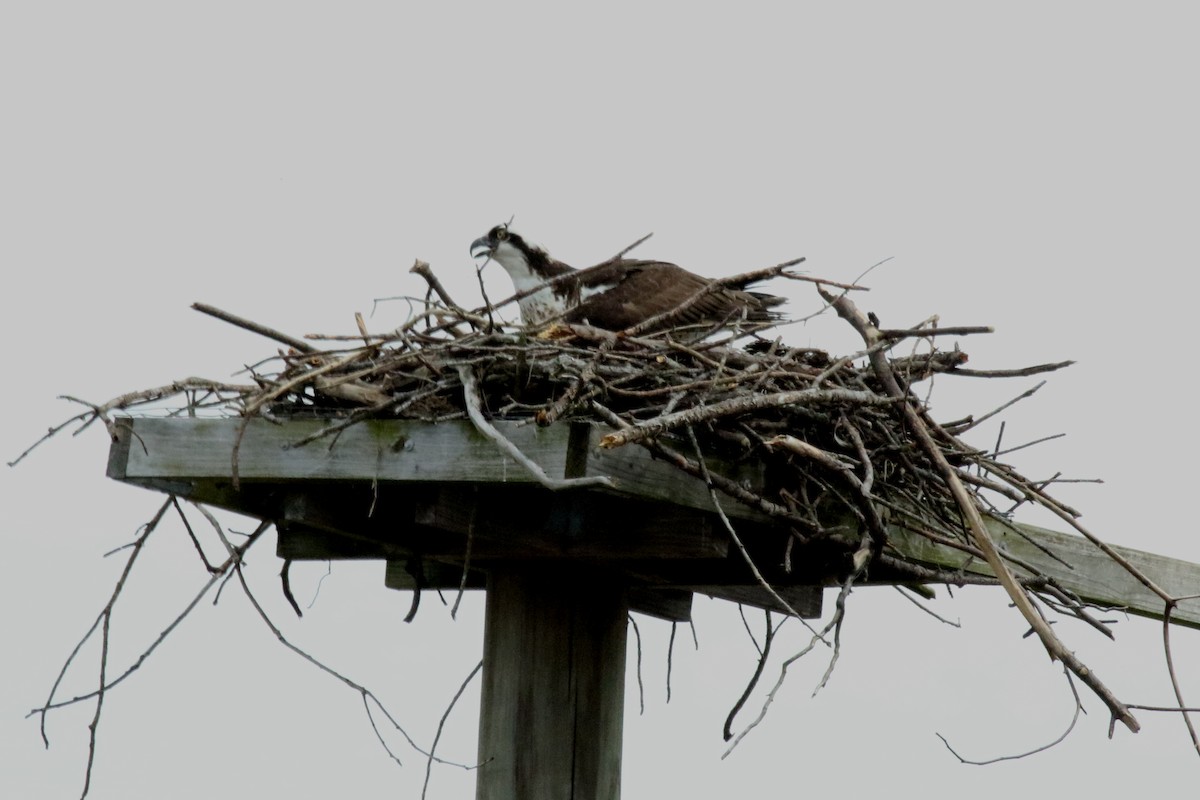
(561, 568)
(403, 490)
(400, 491)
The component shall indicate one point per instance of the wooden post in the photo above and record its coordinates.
(553, 692)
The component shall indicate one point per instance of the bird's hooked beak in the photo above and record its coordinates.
(483, 246)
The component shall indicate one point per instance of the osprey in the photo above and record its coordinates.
(616, 294)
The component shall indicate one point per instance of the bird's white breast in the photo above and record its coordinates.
(542, 304)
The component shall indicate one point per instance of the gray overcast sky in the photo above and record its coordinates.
(1032, 166)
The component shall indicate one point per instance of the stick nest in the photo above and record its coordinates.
(851, 457)
(827, 428)
(840, 438)
(831, 431)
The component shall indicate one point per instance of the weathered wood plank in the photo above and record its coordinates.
(553, 694)
(504, 523)
(673, 605)
(384, 450)
(805, 599)
(447, 577)
(400, 450)
(514, 524)
(1095, 577)
(638, 473)
(348, 509)
(298, 543)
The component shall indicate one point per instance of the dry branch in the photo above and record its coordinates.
(475, 412)
(969, 507)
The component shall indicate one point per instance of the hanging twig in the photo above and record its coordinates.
(442, 724)
(764, 653)
(733, 534)
(1047, 746)
(637, 639)
(471, 394)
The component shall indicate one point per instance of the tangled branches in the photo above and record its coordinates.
(846, 432)
(850, 457)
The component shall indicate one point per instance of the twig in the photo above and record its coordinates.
(921, 333)
(421, 268)
(1051, 437)
(298, 345)
(908, 596)
(50, 433)
(466, 567)
(1021, 372)
(442, 723)
(637, 638)
(631, 247)
(101, 619)
(1062, 737)
(979, 420)
(839, 615)
(733, 534)
(280, 389)
(187, 526)
(286, 585)
(746, 626)
(671, 653)
(818, 636)
(363, 691)
(740, 405)
(212, 581)
(764, 653)
(876, 527)
(1175, 687)
(471, 395)
(1170, 709)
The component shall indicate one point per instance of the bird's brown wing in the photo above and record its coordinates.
(633, 291)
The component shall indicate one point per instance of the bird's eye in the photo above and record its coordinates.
(500, 233)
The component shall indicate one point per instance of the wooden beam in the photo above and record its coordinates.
(673, 605)
(372, 450)
(446, 577)
(298, 543)
(553, 694)
(1087, 572)
(509, 523)
(805, 599)
(193, 458)
(183, 449)
(348, 521)
(637, 473)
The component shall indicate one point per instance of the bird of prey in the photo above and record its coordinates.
(617, 294)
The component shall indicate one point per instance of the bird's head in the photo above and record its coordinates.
(502, 245)
(529, 266)
(522, 260)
